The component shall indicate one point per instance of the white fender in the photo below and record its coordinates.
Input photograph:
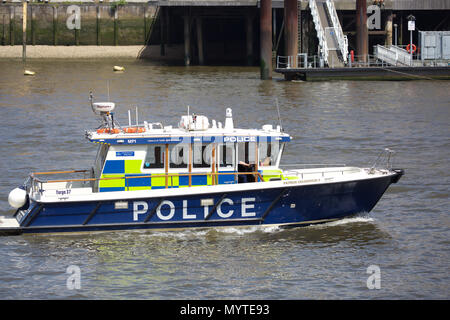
(17, 198)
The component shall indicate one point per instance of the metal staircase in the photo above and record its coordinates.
(393, 55)
(333, 44)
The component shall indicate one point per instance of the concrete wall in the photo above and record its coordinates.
(131, 27)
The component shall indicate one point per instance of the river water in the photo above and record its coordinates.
(404, 240)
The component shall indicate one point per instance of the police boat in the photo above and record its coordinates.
(195, 175)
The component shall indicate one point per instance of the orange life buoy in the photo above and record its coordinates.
(108, 130)
(134, 130)
(408, 48)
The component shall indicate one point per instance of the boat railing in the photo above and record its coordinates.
(384, 160)
(312, 165)
(312, 172)
(37, 185)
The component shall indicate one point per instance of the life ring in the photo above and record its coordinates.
(408, 48)
(108, 130)
(134, 130)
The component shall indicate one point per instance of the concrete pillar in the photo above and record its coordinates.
(97, 23)
(24, 30)
(305, 32)
(388, 29)
(362, 35)
(11, 24)
(400, 31)
(266, 39)
(274, 25)
(249, 39)
(187, 40)
(201, 57)
(291, 30)
(161, 28)
(33, 25)
(116, 26)
(167, 26)
(55, 26)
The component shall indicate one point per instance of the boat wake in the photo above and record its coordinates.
(184, 234)
(359, 218)
(248, 229)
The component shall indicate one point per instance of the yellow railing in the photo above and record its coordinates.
(35, 180)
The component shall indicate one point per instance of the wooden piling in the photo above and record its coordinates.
(55, 26)
(187, 40)
(24, 31)
(97, 20)
(77, 36)
(201, 57)
(116, 26)
(168, 44)
(11, 24)
(362, 35)
(249, 39)
(291, 30)
(33, 25)
(145, 23)
(266, 39)
(161, 29)
(3, 31)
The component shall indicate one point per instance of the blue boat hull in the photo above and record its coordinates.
(289, 206)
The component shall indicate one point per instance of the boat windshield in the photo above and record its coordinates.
(100, 159)
(269, 153)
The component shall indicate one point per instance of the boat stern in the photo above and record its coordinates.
(9, 226)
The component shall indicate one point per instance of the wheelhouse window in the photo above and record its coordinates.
(100, 159)
(247, 152)
(154, 158)
(227, 155)
(269, 152)
(201, 155)
(179, 156)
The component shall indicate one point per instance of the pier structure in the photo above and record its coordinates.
(256, 32)
(230, 32)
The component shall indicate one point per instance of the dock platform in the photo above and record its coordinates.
(366, 73)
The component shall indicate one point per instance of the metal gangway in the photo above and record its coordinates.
(333, 44)
(393, 55)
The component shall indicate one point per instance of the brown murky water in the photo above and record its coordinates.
(406, 236)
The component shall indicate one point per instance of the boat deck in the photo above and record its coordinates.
(9, 225)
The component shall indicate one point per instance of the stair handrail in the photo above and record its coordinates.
(404, 57)
(393, 55)
(319, 30)
(342, 39)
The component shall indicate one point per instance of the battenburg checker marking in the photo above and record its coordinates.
(199, 174)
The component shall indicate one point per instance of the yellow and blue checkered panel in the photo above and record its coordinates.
(267, 175)
(120, 169)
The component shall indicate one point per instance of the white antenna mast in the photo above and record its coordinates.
(107, 87)
(279, 117)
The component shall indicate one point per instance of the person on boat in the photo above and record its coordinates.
(246, 167)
